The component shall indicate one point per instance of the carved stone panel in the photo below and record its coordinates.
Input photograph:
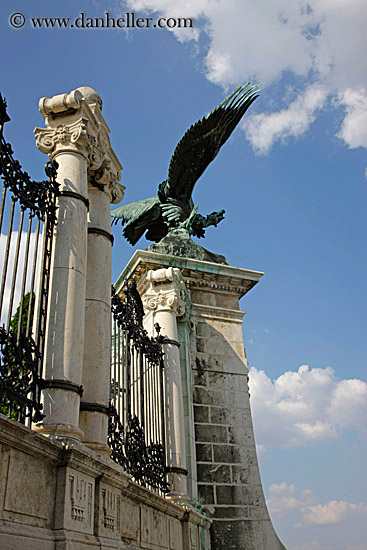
(154, 528)
(81, 497)
(75, 501)
(175, 534)
(130, 522)
(109, 511)
(26, 478)
(194, 537)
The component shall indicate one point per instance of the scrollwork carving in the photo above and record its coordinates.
(166, 290)
(170, 299)
(105, 179)
(75, 135)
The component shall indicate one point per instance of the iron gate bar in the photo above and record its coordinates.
(21, 355)
(136, 427)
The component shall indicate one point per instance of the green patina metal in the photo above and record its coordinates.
(178, 243)
(170, 218)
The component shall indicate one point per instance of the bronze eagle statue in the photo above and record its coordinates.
(173, 207)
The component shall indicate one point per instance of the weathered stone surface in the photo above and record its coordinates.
(241, 434)
(203, 396)
(175, 534)
(25, 475)
(207, 433)
(154, 527)
(18, 536)
(206, 493)
(130, 522)
(204, 453)
(199, 375)
(238, 535)
(97, 504)
(231, 417)
(214, 472)
(201, 414)
(230, 512)
(235, 494)
(245, 474)
(222, 380)
(235, 454)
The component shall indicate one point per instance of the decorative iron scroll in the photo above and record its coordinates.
(129, 316)
(25, 277)
(136, 424)
(19, 381)
(35, 196)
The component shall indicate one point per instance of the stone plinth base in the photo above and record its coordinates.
(63, 496)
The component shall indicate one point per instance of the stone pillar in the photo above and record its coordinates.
(75, 136)
(185, 328)
(164, 296)
(103, 189)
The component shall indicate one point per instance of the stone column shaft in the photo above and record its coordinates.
(165, 298)
(97, 342)
(65, 327)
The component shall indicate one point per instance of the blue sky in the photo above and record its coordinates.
(292, 180)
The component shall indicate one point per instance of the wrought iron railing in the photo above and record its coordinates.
(136, 432)
(28, 208)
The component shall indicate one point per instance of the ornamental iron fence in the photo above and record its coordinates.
(136, 432)
(28, 208)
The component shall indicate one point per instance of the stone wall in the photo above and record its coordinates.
(58, 496)
(227, 468)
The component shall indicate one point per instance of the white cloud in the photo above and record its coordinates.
(305, 406)
(263, 130)
(304, 505)
(354, 128)
(283, 498)
(312, 545)
(320, 42)
(332, 512)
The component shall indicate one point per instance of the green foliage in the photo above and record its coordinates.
(25, 308)
(13, 361)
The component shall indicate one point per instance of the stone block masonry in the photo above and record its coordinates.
(222, 462)
(227, 468)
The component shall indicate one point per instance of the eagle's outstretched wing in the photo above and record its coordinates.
(202, 142)
(137, 216)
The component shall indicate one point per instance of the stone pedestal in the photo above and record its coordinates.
(227, 472)
(76, 136)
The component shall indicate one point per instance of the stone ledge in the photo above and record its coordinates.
(20, 437)
(33, 538)
(197, 273)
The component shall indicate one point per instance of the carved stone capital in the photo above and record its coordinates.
(166, 290)
(165, 300)
(106, 179)
(63, 137)
(75, 124)
(60, 103)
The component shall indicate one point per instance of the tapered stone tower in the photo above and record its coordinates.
(221, 462)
